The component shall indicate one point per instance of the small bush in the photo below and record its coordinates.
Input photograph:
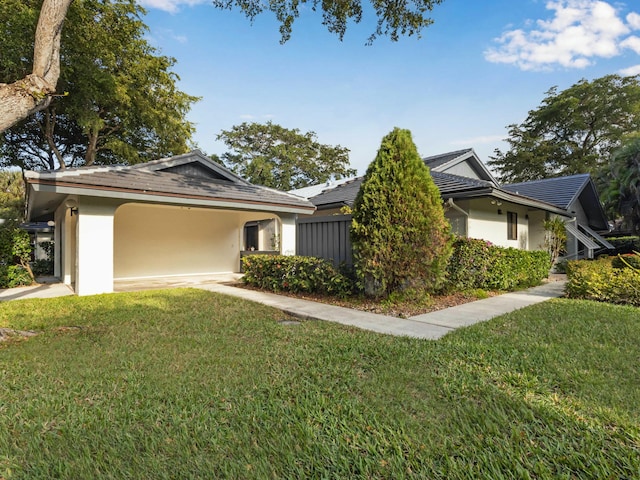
(477, 264)
(42, 267)
(599, 280)
(14, 276)
(295, 274)
(626, 261)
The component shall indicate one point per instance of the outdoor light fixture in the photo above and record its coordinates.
(72, 205)
(496, 202)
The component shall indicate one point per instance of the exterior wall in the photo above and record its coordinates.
(536, 229)
(486, 223)
(463, 169)
(162, 240)
(288, 236)
(94, 242)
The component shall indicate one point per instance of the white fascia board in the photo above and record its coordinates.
(170, 199)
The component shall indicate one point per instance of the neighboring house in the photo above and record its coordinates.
(183, 215)
(477, 206)
(577, 195)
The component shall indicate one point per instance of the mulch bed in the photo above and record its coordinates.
(384, 307)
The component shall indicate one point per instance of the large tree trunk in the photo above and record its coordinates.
(32, 93)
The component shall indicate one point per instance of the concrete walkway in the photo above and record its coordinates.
(430, 326)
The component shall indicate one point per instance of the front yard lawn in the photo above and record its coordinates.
(189, 384)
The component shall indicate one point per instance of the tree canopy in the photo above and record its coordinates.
(11, 195)
(400, 236)
(621, 194)
(121, 102)
(572, 131)
(270, 155)
(32, 92)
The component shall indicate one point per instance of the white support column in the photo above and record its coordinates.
(94, 261)
(288, 234)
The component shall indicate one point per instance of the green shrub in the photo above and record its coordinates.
(626, 261)
(401, 239)
(14, 276)
(625, 245)
(294, 274)
(42, 267)
(599, 280)
(479, 264)
(15, 253)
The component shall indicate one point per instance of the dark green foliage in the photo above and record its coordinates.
(621, 180)
(15, 253)
(479, 264)
(626, 261)
(294, 274)
(599, 280)
(14, 276)
(393, 18)
(625, 245)
(572, 131)
(274, 156)
(121, 103)
(401, 239)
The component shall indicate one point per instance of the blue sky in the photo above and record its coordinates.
(481, 66)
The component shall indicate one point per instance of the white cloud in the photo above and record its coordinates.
(171, 6)
(579, 32)
(633, 43)
(633, 19)
(631, 71)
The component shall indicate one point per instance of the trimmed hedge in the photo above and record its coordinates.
(624, 245)
(479, 264)
(294, 274)
(599, 280)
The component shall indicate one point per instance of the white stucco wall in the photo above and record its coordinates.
(160, 240)
(484, 222)
(94, 247)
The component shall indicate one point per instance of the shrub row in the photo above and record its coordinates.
(294, 274)
(599, 280)
(625, 245)
(479, 264)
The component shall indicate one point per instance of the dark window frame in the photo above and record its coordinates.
(512, 226)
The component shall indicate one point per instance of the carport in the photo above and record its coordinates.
(174, 217)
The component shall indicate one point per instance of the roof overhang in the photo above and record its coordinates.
(52, 193)
(509, 197)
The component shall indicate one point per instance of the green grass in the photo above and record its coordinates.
(189, 384)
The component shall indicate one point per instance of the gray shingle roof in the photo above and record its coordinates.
(560, 191)
(437, 160)
(150, 179)
(448, 185)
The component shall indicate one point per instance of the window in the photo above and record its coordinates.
(512, 225)
(251, 236)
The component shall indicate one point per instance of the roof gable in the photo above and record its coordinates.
(464, 163)
(193, 164)
(566, 192)
(559, 191)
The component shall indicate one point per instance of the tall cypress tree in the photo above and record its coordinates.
(400, 236)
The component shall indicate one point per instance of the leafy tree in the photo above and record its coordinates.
(12, 195)
(622, 179)
(573, 131)
(400, 236)
(122, 103)
(274, 156)
(33, 91)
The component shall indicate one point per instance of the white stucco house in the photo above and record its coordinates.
(477, 206)
(184, 215)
